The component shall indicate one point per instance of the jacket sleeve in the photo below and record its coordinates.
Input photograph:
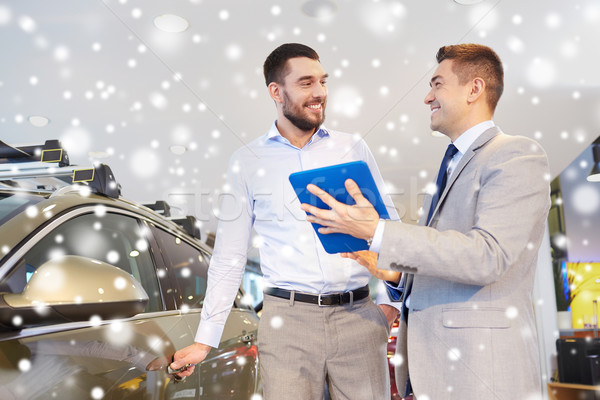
(505, 217)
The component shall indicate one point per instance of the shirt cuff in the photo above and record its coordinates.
(377, 237)
(395, 290)
(385, 297)
(397, 286)
(209, 333)
(394, 294)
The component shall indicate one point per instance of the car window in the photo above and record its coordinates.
(252, 283)
(190, 267)
(12, 204)
(115, 239)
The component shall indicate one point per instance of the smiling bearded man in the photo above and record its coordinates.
(319, 324)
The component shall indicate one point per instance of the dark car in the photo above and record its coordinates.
(98, 292)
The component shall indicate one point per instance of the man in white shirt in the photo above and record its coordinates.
(318, 323)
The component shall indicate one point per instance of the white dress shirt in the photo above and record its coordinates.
(260, 196)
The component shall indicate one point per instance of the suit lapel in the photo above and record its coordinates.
(481, 141)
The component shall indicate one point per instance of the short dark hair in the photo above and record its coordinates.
(275, 68)
(475, 60)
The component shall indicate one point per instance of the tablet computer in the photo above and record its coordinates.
(331, 179)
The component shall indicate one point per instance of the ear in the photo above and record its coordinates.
(275, 92)
(477, 89)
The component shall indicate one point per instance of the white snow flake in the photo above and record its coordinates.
(97, 393)
(24, 365)
(512, 312)
(454, 354)
(585, 199)
(276, 322)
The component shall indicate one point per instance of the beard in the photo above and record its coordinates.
(297, 115)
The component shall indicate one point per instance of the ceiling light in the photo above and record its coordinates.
(171, 23)
(437, 134)
(594, 175)
(178, 149)
(468, 2)
(38, 121)
(319, 8)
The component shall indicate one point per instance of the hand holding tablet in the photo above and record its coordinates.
(332, 181)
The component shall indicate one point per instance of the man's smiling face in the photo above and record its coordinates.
(447, 100)
(304, 93)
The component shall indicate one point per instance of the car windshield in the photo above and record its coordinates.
(12, 204)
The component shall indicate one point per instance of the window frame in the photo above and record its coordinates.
(168, 262)
(206, 252)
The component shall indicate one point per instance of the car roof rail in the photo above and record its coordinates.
(190, 225)
(46, 168)
(49, 152)
(99, 179)
(161, 207)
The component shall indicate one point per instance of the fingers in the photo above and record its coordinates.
(359, 220)
(192, 354)
(325, 215)
(327, 231)
(353, 190)
(352, 256)
(356, 193)
(323, 195)
(362, 257)
(367, 258)
(180, 358)
(314, 213)
(186, 372)
(321, 220)
(365, 263)
(183, 366)
(328, 225)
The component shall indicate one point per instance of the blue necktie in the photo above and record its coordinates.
(442, 177)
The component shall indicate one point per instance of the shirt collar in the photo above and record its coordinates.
(465, 140)
(274, 134)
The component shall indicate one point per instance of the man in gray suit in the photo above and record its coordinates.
(468, 269)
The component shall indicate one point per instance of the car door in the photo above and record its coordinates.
(231, 371)
(97, 359)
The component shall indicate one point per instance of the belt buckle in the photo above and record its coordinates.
(320, 299)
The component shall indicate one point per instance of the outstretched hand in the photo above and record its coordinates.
(368, 259)
(359, 220)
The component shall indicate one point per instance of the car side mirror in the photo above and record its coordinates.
(73, 288)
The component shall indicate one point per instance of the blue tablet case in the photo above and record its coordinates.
(331, 179)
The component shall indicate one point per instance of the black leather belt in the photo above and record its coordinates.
(329, 299)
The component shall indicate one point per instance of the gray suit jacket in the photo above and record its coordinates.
(471, 331)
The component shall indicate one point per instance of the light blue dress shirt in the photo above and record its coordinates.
(259, 196)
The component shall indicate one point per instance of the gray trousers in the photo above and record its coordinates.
(302, 345)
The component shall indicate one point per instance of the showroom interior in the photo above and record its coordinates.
(166, 106)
